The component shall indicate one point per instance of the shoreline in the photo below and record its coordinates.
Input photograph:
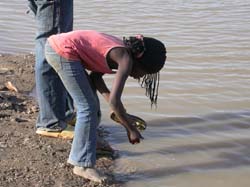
(26, 158)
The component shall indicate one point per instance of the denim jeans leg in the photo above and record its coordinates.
(66, 25)
(50, 90)
(66, 16)
(76, 81)
(83, 150)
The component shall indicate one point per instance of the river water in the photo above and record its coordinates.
(199, 135)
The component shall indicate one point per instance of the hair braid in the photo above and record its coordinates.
(151, 83)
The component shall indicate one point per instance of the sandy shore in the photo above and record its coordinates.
(25, 158)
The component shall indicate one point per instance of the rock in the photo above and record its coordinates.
(10, 86)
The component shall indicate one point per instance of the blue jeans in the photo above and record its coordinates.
(56, 106)
(76, 81)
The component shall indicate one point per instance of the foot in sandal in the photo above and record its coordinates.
(67, 133)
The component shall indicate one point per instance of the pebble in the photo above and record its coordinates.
(3, 145)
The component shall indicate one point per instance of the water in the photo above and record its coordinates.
(200, 133)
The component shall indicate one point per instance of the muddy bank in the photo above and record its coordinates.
(25, 158)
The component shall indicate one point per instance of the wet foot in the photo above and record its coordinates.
(89, 173)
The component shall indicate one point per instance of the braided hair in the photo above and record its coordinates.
(151, 83)
(152, 60)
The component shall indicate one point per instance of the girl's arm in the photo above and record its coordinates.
(124, 61)
(122, 57)
(100, 85)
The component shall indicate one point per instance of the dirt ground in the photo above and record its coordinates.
(27, 159)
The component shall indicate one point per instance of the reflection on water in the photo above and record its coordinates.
(202, 150)
(199, 134)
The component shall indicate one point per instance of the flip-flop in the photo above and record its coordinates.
(140, 124)
(67, 133)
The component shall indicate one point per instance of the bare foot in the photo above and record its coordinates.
(89, 173)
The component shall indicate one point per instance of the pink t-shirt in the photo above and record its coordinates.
(89, 47)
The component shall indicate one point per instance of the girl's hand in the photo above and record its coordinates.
(134, 135)
(138, 122)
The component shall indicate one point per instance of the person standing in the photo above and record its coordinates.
(55, 104)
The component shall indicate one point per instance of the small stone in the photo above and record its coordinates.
(26, 169)
(3, 145)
